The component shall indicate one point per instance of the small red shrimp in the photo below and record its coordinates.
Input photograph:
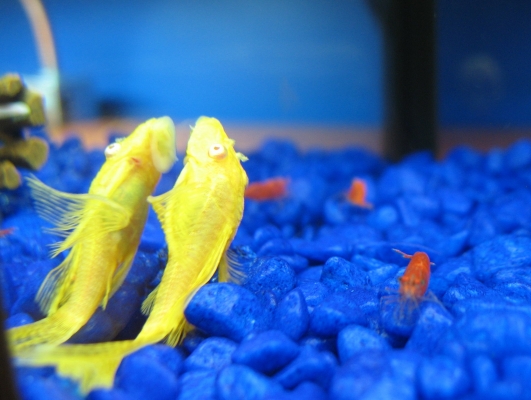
(414, 282)
(270, 189)
(357, 193)
(6, 231)
(413, 286)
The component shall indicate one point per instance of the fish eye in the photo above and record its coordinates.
(217, 151)
(112, 149)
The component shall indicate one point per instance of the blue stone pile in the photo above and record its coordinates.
(319, 315)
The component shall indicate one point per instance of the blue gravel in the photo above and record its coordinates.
(318, 315)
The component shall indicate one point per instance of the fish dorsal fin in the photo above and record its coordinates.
(54, 289)
(96, 215)
(230, 268)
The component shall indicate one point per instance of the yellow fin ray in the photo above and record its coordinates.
(70, 212)
(55, 286)
(92, 365)
(147, 304)
(230, 269)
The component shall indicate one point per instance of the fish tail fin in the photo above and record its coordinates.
(52, 330)
(92, 365)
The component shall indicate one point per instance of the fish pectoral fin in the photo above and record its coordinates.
(55, 286)
(149, 302)
(230, 269)
(76, 216)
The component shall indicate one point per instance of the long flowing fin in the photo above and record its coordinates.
(54, 289)
(92, 365)
(230, 268)
(68, 212)
(52, 330)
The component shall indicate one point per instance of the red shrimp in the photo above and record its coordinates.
(270, 189)
(413, 286)
(414, 282)
(357, 194)
(6, 231)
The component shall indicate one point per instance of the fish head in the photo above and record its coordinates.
(151, 143)
(209, 144)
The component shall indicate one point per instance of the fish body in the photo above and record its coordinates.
(199, 216)
(102, 229)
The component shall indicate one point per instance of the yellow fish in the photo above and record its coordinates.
(200, 216)
(102, 229)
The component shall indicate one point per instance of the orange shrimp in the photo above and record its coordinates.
(413, 287)
(357, 193)
(270, 189)
(6, 231)
(414, 282)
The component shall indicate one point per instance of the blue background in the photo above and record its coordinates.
(273, 61)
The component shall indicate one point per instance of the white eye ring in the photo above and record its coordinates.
(217, 151)
(112, 149)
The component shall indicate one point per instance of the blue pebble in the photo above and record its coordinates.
(380, 275)
(138, 375)
(225, 309)
(318, 343)
(199, 384)
(45, 389)
(265, 234)
(352, 380)
(408, 215)
(266, 352)
(517, 370)
(108, 394)
(144, 269)
(296, 262)
(508, 251)
(354, 339)
(339, 275)
(275, 247)
(482, 228)
(193, 339)
(384, 217)
(291, 315)
(495, 332)
(310, 275)
(270, 274)
(17, 320)
(240, 382)
(320, 250)
(433, 321)
(212, 353)
(310, 365)
(98, 328)
(484, 374)
(442, 377)
(518, 155)
(466, 287)
(152, 237)
(397, 180)
(308, 391)
(334, 313)
(167, 356)
(454, 201)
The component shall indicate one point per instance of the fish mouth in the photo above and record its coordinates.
(163, 152)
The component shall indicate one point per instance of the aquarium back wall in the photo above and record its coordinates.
(307, 61)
